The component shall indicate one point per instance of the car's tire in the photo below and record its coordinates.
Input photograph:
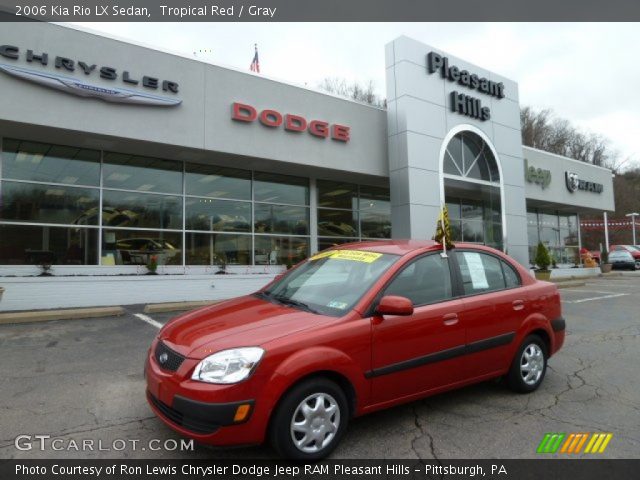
(529, 365)
(322, 423)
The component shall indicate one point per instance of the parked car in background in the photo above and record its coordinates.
(622, 260)
(351, 330)
(634, 251)
(138, 251)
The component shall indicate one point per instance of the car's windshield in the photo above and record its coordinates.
(331, 282)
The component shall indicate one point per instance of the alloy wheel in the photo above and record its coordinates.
(532, 364)
(315, 422)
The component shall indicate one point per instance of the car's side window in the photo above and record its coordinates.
(425, 280)
(511, 278)
(480, 272)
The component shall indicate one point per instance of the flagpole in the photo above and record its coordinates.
(444, 232)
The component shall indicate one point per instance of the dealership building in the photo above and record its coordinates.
(115, 155)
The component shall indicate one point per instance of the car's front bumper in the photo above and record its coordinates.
(200, 417)
(207, 413)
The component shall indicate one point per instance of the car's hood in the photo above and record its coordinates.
(241, 322)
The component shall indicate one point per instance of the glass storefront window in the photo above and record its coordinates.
(281, 219)
(375, 212)
(37, 203)
(217, 215)
(130, 209)
(337, 195)
(557, 231)
(473, 231)
(365, 211)
(337, 223)
(472, 210)
(43, 162)
(272, 188)
(324, 243)
(375, 225)
(217, 249)
(493, 235)
(34, 245)
(467, 155)
(136, 247)
(453, 207)
(476, 221)
(226, 211)
(145, 174)
(211, 181)
(272, 250)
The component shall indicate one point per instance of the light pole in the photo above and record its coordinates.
(633, 224)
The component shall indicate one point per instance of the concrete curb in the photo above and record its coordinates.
(177, 306)
(65, 314)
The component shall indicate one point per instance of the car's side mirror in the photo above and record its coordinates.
(394, 305)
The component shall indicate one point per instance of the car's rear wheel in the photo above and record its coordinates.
(529, 365)
(310, 420)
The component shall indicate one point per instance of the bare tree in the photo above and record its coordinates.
(543, 130)
(355, 91)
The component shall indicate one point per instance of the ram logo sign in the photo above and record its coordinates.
(83, 89)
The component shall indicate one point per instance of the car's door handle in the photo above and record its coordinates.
(450, 319)
(518, 304)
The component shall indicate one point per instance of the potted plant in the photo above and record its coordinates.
(605, 266)
(543, 260)
(222, 266)
(152, 265)
(1, 292)
(45, 267)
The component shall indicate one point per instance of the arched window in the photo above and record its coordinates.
(468, 156)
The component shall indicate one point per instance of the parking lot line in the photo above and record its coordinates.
(148, 319)
(604, 284)
(602, 297)
(575, 290)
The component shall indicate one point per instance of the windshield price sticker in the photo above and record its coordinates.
(353, 255)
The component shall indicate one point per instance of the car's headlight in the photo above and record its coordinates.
(228, 366)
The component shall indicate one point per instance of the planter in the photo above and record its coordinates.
(605, 267)
(543, 274)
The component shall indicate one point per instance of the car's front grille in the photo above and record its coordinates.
(167, 358)
(189, 423)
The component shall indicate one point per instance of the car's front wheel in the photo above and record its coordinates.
(310, 420)
(529, 365)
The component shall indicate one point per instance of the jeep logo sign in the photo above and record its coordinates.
(536, 175)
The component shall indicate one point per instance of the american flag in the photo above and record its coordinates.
(255, 65)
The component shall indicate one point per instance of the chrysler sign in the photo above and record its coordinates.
(77, 86)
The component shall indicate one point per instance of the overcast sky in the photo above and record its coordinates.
(585, 72)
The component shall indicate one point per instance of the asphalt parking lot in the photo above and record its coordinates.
(82, 379)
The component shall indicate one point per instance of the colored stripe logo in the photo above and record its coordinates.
(573, 443)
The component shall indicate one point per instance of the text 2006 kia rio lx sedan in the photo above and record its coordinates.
(351, 330)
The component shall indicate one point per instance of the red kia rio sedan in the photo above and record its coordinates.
(349, 331)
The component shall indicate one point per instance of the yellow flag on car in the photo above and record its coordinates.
(443, 229)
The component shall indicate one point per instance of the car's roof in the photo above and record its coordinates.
(403, 247)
